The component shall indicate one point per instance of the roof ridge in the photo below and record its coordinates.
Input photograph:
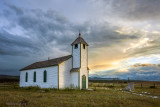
(53, 58)
(59, 57)
(46, 63)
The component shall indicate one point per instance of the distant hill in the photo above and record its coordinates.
(101, 80)
(9, 78)
(144, 73)
(98, 78)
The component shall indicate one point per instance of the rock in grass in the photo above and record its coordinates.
(130, 87)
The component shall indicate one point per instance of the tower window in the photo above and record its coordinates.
(76, 46)
(84, 46)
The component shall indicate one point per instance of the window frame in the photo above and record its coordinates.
(45, 76)
(75, 46)
(34, 76)
(26, 78)
(84, 46)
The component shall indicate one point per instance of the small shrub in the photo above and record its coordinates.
(34, 88)
(47, 90)
(72, 86)
(67, 89)
(111, 86)
(152, 86)
(54, 89)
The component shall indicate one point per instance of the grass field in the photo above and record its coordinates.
(103, 95)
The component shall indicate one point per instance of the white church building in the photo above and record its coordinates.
(64, 72)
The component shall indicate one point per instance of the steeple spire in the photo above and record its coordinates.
(79, 34)
(79, 40)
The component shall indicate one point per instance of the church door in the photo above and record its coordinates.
(83, 82)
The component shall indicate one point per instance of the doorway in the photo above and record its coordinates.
(83, 82)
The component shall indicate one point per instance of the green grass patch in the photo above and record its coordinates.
(101, 96)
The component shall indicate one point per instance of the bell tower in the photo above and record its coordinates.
(80, 52)
(80, 60)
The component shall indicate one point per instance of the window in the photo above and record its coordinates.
(45, 76)
(34, 77)
(84, 46)
(76, 46)
(26, 77)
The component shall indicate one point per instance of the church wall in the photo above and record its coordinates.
(75, 79)
(52, 77)
(60, 76)
(84, 56)
(64, 73)
(76, 56)
(84, 65)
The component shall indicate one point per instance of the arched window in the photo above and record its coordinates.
(34, 77)
(26, 77)
(45, 76)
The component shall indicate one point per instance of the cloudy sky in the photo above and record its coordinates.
(123, 35)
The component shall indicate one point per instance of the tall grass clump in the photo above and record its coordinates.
(33, 88)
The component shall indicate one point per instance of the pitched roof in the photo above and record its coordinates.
(47, 63)
(79, 40)
(75, 69)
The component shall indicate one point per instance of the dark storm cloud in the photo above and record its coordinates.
(42, 28)
(48, 33)
(42, 33)
(103, 34)
(46, 27)
(137, 9)
(17, 10)
(10, 45)
(134, 9)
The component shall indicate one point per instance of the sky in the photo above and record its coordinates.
(123, 35)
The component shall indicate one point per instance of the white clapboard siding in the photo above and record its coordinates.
(64, 74)
(75, 79)
(52, 77)
(60, 76)
(76, 56)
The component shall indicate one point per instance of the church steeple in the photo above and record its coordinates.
(79, 34)
(80, 61)
(79, 40)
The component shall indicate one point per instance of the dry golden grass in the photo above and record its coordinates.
(101, 97)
